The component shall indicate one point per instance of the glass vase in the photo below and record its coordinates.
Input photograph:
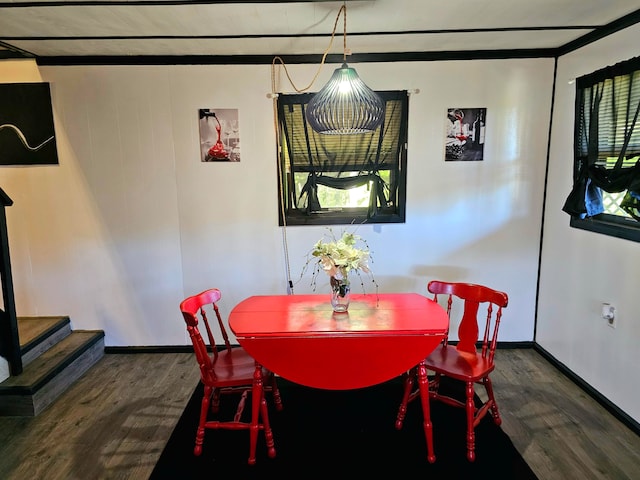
(340, 294)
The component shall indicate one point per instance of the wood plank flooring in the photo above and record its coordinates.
(114, 422)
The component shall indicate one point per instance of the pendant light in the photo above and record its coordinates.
(345, 105)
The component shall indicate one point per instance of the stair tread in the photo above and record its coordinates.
(46, 366)
(32, 330)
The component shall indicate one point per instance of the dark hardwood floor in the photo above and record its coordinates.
(114, 422)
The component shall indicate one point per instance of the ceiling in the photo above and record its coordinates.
(201, 31)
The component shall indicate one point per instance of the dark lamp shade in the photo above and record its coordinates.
(345, 105)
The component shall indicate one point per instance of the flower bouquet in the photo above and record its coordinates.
(339, 257)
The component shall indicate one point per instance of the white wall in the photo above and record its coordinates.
(130, 222)
(580, 269)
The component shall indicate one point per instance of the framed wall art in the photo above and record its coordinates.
(465, 130)
(219, 135)
(27, 135)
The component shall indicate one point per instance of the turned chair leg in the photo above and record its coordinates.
(215, 400)
(486, 381)
(423, 385)
(277, 399)
(408, 388)
(204, 410)
(470, 408)
(268, 434)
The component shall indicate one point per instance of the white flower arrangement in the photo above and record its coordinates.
(338, 257)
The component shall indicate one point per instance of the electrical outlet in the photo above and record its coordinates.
(609, 314)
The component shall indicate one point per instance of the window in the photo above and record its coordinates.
(606, 181)
(342, 179)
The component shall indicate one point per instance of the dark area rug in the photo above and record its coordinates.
(338, 434)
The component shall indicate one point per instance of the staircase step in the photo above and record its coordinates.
(39, 334)
(46, 377)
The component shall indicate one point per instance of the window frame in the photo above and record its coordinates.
(290, 214)
(604, 223)
(607, 224)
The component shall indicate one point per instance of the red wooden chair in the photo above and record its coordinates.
(228, 371)
(463, 362)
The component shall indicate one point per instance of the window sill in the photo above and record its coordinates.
(609, 225)
(342, 217)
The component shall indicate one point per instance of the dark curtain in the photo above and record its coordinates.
(607, 140)
(330, 160)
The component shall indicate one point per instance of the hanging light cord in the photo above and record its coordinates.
(285, 242)
(343, 10)
(344, 35)
(274, 91)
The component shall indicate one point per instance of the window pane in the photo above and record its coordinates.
(335, 198)
(611, 203)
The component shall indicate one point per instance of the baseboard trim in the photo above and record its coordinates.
(592, 392)
(126, 350)
(513, 345)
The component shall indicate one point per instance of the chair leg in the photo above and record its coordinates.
(488, 385)
(470, 408)
(256, 395)
(408, 387)
(204, 410)
(215, 400)
(423, 385)
(275, 391)
(434, 384)
(268, 434)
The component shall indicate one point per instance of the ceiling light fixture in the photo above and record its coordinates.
(345, 105)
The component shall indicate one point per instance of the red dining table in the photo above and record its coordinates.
(381, 336)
